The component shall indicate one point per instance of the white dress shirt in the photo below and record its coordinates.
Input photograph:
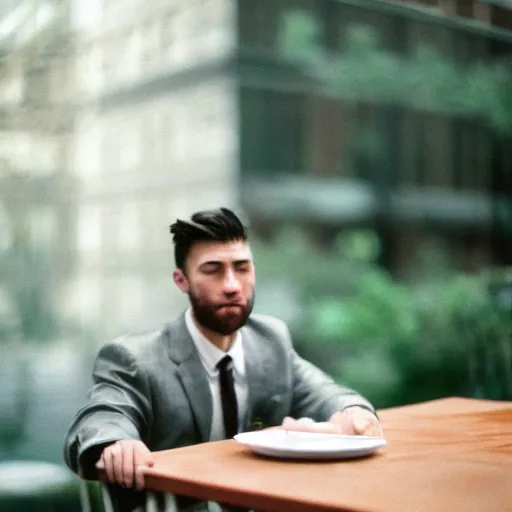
(210, 355)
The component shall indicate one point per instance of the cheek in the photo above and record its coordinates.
(200, 290)
(249, 282)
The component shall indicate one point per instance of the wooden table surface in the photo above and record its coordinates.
(450, 455)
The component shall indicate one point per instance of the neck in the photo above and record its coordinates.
(221, 341)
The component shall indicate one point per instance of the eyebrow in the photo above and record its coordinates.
(219, 262)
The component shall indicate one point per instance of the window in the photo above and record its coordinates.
(129, 227)
(88, 230)
(272, 131)
(43, 228)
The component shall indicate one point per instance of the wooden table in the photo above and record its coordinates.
(453, 454)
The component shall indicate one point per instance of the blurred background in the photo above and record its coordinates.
(366, 143)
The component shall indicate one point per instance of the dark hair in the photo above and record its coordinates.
(219, 225)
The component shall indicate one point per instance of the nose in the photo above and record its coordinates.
(231, 283)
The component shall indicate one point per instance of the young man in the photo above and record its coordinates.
(175, 387)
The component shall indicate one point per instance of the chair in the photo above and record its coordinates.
(95, 497)
(27, 485)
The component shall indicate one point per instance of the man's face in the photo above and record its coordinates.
(219, 280)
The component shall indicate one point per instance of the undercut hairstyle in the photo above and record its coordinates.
(219, 225)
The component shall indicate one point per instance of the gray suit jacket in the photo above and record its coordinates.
(154, 388)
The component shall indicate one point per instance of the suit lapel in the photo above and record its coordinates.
(192, 376)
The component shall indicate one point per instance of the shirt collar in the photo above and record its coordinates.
(210, 354)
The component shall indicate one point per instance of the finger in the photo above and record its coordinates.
(117, 463)
(139, 477)
(100, 464)
(128, 465)
(370, 430)
(305, 420)
(288, 421)
(107, 462)
(365, 423)
(320, 428)
(142, 458)
(343, 423)
(362, 425)
(374, 430)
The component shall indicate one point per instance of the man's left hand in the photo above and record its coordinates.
(351, 421)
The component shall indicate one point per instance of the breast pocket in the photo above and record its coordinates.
(270, 411)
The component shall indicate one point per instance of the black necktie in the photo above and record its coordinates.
(228, 396)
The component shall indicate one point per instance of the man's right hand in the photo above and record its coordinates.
(124, 463)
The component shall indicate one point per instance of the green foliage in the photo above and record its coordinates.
(396, 343)
(290, 256)
(300, 35)
(423, 341)
(425, 80)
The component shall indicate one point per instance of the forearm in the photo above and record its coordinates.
(316, 395)
(119, 408)
(89, 433)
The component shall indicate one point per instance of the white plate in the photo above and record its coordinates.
(308, 445)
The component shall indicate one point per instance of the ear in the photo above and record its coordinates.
(181, 280)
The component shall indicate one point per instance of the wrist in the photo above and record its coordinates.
(361, 407)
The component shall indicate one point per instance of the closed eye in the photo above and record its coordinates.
(210, 267)
(242, 266)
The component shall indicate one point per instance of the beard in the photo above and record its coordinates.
(213, 317)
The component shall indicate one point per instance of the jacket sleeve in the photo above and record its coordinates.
(119, 407)
(316, 395)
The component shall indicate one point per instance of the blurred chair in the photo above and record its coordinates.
(27, 486)
(95, 497)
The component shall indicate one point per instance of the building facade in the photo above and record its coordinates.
(154, 139)
(119, 116)
(381, 135)
(35, 181)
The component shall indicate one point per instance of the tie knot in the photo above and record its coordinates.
(225, 363)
